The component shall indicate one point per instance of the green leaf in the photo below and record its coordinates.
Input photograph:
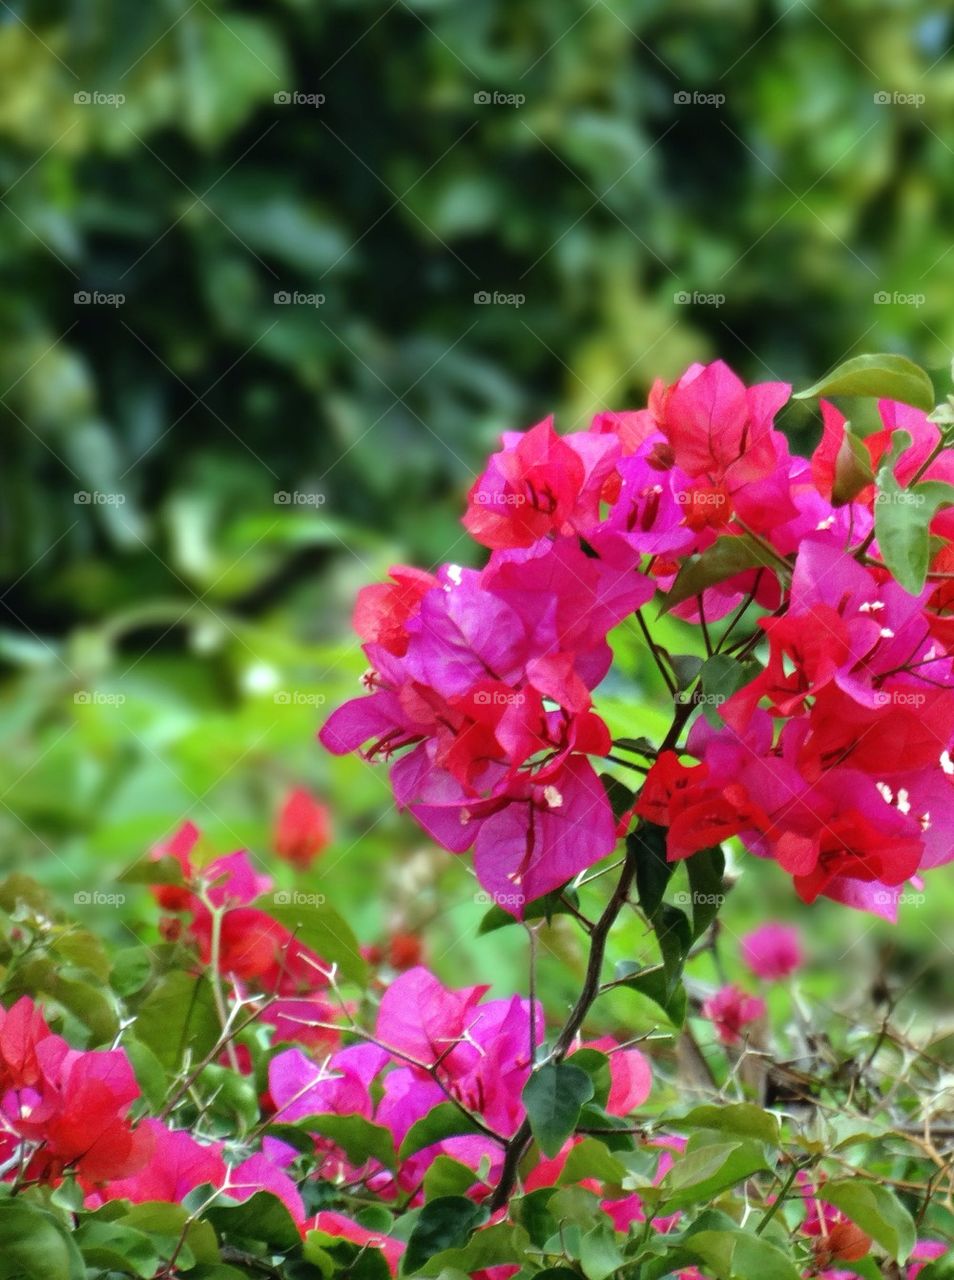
(596, 1065)
(553, 1097)
(903, 516)
(82, 950)
(576, 1206)
(653, 872)
(443, 1121)
(619, 795)
(591, 1159)
(117, 1248)
(674, 936)
(742, 1119)
(655, 984)
(545, 908)
(720, 677)
(167, 1224)
(178, 1015)
(262, 1218)
(686, 668)
(321, 928)
(704, 1173)
(444, 1223)
(448, 1177)
(359, 1139)
(89, 1003)
(600, 1255)
(150, 1073)
(888, 377)
(532, 1211)
(852, 470)
(740, 1255)
(162, 870)
(705, 870)
(496, 1246)
(728, 556)
(131, 970)
(877, 1211)
(34, 1245)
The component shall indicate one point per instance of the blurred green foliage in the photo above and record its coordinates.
(165, 161)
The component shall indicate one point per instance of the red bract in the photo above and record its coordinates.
(303, 830)
(22, 1029)
(252, 947)
(70, 1107)
(178, 1164)
(536, 485)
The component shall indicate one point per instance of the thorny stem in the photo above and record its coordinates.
(215, 947)
(591, 985)
(655, 651)
(779, 1200)
(599, 936)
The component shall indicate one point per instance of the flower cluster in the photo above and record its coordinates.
(830, 757)
(61, 1108)
(433, 1046)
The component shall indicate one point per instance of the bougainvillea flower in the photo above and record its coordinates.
(303, 830)
(72, 1105)
(22, 1029)
(177, 1164)
(722, 432)
(772, 951)
(484, 761)
(382, 609)
(631, 1077)
(229, 879)
(924, 1251)
(731, 1011)
(478, 1051)
(538, 484)
(301, 1087)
